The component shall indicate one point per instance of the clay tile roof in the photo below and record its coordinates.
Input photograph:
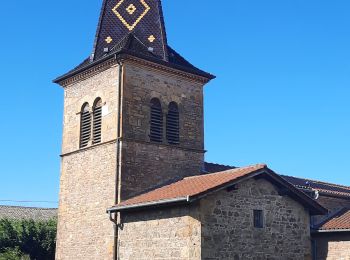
(301, 183)
(338, 221)
(192, 186)
(18, 213)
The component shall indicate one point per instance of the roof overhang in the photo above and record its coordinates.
(123, 52)
(330, 230)
(149, 205)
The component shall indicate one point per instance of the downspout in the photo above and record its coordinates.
(116, 217)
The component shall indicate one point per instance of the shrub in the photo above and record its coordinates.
(36, 239)
(13, 254)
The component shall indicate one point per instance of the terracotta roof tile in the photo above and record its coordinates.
(339, 221)
(301, 183)
(192, 186)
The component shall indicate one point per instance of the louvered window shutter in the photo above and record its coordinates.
(97, 122)
(156, 121)
(173, 124)
(85, 126)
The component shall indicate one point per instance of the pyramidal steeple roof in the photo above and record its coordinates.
(134, 27)
(143, 18)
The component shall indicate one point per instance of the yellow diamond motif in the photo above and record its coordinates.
(129, 9)
(109, 39)
(151, 38)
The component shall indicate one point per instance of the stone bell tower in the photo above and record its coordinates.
(133, 120)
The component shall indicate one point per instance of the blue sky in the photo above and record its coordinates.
(281, 95)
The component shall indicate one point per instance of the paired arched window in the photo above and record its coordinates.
(173, 124)
(156, 121)
(88, 119)
(85, 125)
(97, 121)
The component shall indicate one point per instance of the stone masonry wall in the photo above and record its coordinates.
(141, 84)
(103, 85)
(87, 186)
(88, 176)
(146, 164)
(228, 231)
(161, 234)
(333, 246)
(87, 190)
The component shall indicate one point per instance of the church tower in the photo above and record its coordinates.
(133, 120)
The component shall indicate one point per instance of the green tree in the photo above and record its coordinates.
(36, 239)
(13, 254)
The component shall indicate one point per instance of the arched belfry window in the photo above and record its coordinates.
(156, 121)
(85, 125)
(173, 124)
(97, 121)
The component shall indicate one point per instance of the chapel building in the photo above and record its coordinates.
(133, 146)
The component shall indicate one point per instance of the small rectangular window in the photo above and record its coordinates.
(258, 219)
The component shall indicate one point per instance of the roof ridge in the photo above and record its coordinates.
(258, 166)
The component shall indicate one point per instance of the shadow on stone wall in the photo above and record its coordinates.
(332, 245)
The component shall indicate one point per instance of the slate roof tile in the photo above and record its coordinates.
(322, 187)
(214, 167)
(130, 44)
